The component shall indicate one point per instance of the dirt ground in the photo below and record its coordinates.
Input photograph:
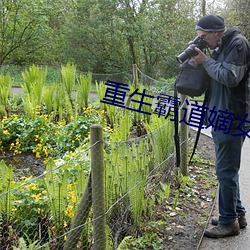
(187, 223)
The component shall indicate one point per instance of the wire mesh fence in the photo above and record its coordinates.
(56, 210)
(45, 211)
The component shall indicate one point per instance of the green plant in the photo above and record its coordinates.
(147, 241)
(6, 184)
(68, 74)
(83, 90)
(176, 199)
(48, 98)
(184, 181)
(101, 90)
(30, 207)
(164, 191)
(161, 134)
(34, 81)
(5, 89)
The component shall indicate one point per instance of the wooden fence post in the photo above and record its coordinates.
(80, 218)
(98, 194)
(183, 140)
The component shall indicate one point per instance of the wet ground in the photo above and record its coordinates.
(25, 164)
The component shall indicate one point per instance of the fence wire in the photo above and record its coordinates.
(45, 210)
(41, 210)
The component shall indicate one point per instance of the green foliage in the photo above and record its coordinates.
(48, 98)
(43, 137)
(5, 89)
(68, 74)
(127, 160)
(30, 206)
(34, 81)
(147, 241)
(126, 171)
(57, 188)
(162, 136)
(164, 192)
(83, 90)
(6, 184)
(101, 90)
(29, 245)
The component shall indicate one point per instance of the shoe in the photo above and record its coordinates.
(241, 219)
(221, 231)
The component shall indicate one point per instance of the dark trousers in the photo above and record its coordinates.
(228, 157)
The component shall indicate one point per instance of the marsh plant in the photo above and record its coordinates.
(68, 76)
(161, 134)
(34, 80)
(5, 90)
(83, 91)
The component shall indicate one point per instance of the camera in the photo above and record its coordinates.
(190, 51)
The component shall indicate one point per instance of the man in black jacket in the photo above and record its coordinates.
(228, 109)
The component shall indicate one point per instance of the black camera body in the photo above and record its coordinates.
(190, 51)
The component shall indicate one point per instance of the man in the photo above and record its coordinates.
(229, 101)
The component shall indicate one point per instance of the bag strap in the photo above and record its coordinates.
(199, 129)
(176, 135)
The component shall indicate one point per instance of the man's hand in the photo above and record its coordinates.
(200, 58)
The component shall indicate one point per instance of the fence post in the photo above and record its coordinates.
(183, 140)
(80, 218)
(98, 195)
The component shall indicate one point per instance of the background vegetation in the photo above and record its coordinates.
(107, 36)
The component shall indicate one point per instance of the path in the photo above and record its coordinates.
(241, 242)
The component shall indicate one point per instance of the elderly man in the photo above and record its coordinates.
(229, 99)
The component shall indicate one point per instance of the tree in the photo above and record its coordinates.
(21, 21)
(237, 12)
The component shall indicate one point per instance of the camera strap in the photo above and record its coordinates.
(176, 134)
(199, 129)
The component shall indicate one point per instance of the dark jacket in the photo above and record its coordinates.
(229, 88)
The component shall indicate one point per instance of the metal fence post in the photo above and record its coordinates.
(98, 195)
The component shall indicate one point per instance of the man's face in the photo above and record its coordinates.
(211, 38)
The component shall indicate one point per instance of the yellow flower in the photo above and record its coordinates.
(73, 199)
(69, 211)
(6, 132)
(37, 196)
(31, 187)
(38, 156)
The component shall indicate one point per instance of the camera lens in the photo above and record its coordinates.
(187, 53)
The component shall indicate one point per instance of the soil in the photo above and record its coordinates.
(186, 223)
